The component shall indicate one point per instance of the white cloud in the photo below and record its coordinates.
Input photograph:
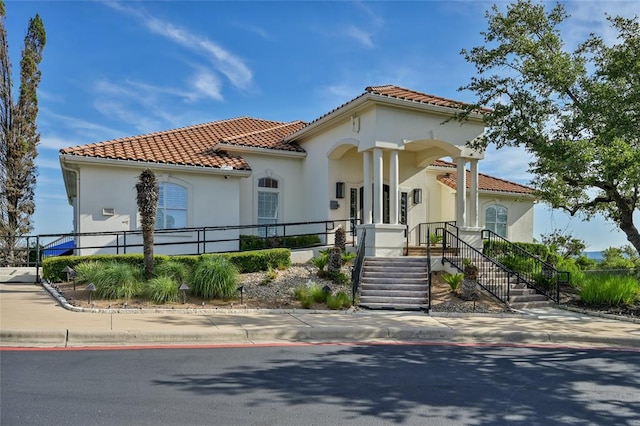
(361, 36)
(224, 61)
(44, 163)
(55, 142)
(207, 84)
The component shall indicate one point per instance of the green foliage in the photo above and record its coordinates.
(303, 294)
(453, 280)
(19, 137)
(435, 239)
(270, 276)
(338, 300)
(87, 271)
(259, 260)
(173, 269)
(520, 264)
(609, 290)
(575, 113)
(348, 257)
(321, 261)
(576, 274)
(620, 258)
(497, 249)
(116, 280)
(563, 244)
(250, 261)
(148, 191)
(215, 277)
(162, 289)
(318, 294)
(255, 242)
(52, 266)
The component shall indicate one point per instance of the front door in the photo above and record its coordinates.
(358, 213)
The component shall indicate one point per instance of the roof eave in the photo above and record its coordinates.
(358, 102)
(256, 150)
(79, 159)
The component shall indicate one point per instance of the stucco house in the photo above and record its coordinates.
(385, 161)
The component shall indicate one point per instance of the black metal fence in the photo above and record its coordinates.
(492, 276)
(30, 250)
(356, 272)
(427, 232)
(531, 268)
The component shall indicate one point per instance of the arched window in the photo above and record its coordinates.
(268, 203)
(495, 219)
(172, 206)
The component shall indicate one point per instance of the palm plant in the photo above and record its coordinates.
(147, 199)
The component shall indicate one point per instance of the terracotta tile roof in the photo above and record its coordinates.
(272, 138)
(485, 182)
(392, 91)
(195, 145)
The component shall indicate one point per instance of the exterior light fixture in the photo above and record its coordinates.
(91, 288)
(183, 288)
(241, 290)
(417, 196)
(339, 189)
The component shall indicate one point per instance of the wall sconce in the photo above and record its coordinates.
(417, 196)
(339, 189)
(334, 205)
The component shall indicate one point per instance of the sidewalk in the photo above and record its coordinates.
(31, 317)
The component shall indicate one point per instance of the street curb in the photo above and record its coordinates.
(68, 338)
(33, 337)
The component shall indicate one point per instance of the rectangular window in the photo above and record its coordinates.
(172, 206)
(267, 211)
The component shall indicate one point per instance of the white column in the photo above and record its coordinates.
(461, 192)
(393, 187)
(377, 185)
(366, 187)
(473, 206)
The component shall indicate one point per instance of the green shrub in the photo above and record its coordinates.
(173, 269)
(348, 257)
(215, 277)
(52, 266)
(318, 294)
(270, 276)
(338, 300)
(256, 242)
(520, 264)
(609, 290)
(162, 289)
(453, 280)
(117, 280)
(259, 260)
(321, 261)
(576, 274)
(87, 271)
(303, 294)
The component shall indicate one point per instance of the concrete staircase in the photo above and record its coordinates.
(520, 296)
(394, 283)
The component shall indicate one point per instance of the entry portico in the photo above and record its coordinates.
(386, 139)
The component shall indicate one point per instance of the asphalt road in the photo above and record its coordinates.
(321, 384)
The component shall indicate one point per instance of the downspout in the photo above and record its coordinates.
(76, 203)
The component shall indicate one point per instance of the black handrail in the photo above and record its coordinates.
(356, 272)
(534, 271)
(424, 228)
(493, 277)
(429, 277)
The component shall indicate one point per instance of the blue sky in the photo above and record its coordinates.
(114, 69)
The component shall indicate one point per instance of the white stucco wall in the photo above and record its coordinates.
(212, 201)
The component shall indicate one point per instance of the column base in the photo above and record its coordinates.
(384, 239)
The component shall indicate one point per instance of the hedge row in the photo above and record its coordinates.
(497, 248)
(248, 261)
(254, 242)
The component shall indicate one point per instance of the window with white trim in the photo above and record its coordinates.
(495, 219)
(268, 204)
(172, 206)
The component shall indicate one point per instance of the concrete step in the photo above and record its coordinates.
(396, 270)
(392, 286)
(396, 274)
(528, 298)
(395, 300)
(395, 294)
(399, 281)
(395, 306)
(527, 305)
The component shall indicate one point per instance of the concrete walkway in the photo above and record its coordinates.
(31, 317)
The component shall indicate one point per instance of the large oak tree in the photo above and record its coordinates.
(576, 112)
(19, 135)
